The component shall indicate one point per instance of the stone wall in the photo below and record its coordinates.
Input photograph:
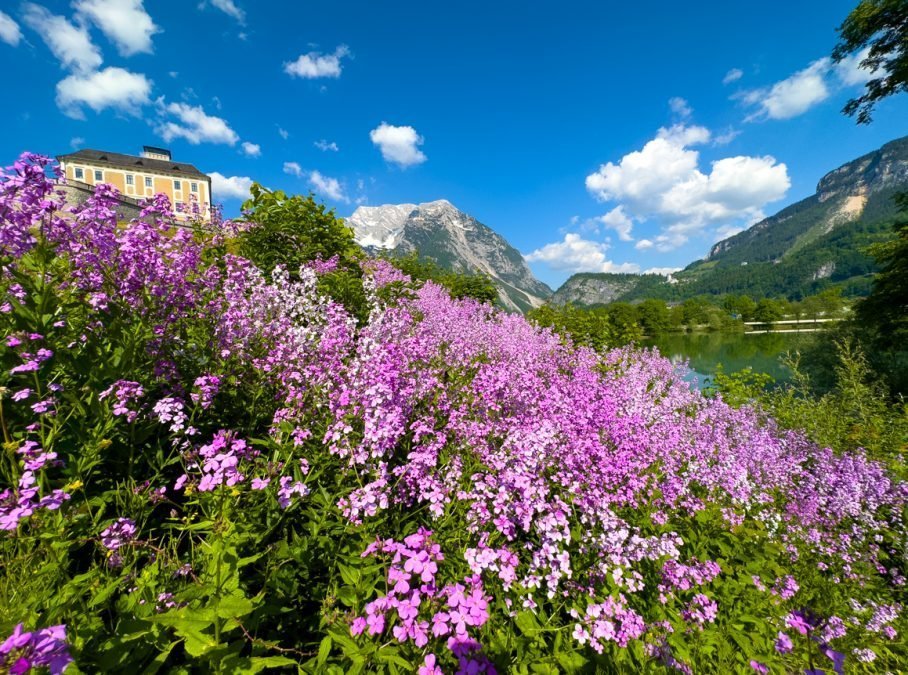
(77, 193)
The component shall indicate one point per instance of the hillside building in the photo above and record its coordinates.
(142, 176)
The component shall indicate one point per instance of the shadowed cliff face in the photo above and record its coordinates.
(455, 240)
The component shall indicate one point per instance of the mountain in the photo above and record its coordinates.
(805, 247)
(454, 240)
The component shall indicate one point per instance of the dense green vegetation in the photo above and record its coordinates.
(620, 323)
(857, 411)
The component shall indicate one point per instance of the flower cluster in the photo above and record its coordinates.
(608, 621)
(124, 392)
(17, 505)
(417, 610)
(115, 536)
(207, 386)
(45, 648)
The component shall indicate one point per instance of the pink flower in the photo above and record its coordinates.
(429, 666)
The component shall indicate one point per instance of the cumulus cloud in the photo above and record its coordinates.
(644, 245)
(251, 149)
(124, 22)
(315, 64)
(9, 30)
(325, 146)
(230, 8)
(618, 220)
(114, 88)
(293, 169)
(283, 133)
(680, 107)
(732, 75)
(398, 145)
(576, 254)
(71, 44)
(664, 182)
(232, 187)
(193, 124)
(76, 142)
(327, 186)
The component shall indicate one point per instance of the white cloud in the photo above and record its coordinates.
(251, 149)
(643, 245)
(726, 231)
(109, 88)
(9, 30)
(76, 142)
(293, 168)
(617, 220)
(680, 107)
(850, 72)
(732, 75)
(398, 144)
(193, 124)
(792, 96)
(125, 22)
(71, 44)
(233, 187)
(664, 271)
(315, 64)
(230, 8)
(726, 136)
(800, 92)
(327, 186)
(576, 254)
(325, 146)
(664, 182)
(283, 133)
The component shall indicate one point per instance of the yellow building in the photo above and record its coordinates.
(140, 177)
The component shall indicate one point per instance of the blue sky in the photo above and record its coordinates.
(594, 137)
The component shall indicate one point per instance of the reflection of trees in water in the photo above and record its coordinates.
(734, 351)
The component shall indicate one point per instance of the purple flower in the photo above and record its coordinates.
(784, 643)
(23, 651)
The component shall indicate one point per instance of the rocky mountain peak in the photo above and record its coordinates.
(455, 240)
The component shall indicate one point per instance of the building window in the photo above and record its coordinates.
(148, 182)
(179, 206)
(79, 174)
(99, 176)
(130, 179)
(177, 185)
(194, 187)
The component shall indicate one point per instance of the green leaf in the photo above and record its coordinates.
(324, 650)
(348, 574)
(527, 623)
(234, 606)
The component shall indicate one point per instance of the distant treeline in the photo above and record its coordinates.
(620, 323)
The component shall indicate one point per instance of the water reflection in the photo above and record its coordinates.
(735, 351)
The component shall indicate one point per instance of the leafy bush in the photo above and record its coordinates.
(856, 414)
(209, 469)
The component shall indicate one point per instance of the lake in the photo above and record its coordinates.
(735, 351)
